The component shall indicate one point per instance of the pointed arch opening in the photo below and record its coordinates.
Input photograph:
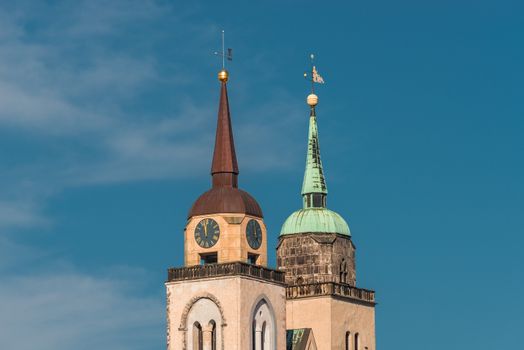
(343, 268)
(263, 330)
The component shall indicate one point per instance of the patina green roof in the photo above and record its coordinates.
(314, 217)
(314, 181)
(315, 220)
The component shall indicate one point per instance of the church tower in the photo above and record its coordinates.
(317, 254)
(225, 224)
(225, 298)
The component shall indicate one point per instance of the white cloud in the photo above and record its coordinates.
(48, 304)
(63, 85)
(20, 214)
(77, 311)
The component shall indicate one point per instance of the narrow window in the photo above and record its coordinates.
(348, 340)
(198, 339)
(252, 258)
(356, 341)
(263, 324)
(317, 200)
(343, 271)
(210, 258)
(263, 336)
(213, 335)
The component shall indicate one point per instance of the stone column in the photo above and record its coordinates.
(258, 339)
(207, 335)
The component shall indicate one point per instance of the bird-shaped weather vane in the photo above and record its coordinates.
(226, 55)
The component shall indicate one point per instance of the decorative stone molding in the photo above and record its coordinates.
(225, 269)
(168, 320)
(333, 289)
(183, 320)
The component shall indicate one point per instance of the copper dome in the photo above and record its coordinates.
(224, 196)
(225, 200)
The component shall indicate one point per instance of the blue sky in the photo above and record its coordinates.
(107, 114)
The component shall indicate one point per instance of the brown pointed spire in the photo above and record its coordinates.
(224, 168)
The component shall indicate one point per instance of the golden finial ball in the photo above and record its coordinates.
(223, 75)
(312, 100)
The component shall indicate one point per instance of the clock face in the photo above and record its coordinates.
(207, 233)
(254, 234)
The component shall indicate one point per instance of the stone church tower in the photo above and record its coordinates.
(226, 298)
(317, 254)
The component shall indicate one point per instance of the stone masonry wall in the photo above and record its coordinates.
(313, 258)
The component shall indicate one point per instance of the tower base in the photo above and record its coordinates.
(225, 307)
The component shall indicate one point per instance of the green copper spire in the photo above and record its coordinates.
(314, 184)
(314, 217)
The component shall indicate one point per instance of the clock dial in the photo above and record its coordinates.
(254, 234)
(207, 233)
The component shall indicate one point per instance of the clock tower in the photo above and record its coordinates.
(225, 297)
(225, 224)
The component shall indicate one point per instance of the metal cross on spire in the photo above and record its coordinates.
(225, 55)
(314, 77)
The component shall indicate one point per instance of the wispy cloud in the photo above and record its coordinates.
(69, 86)
(61, 81)
(48, 303)
(71, 310)
(20, 214)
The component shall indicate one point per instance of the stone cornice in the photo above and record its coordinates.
(331, 289)
(223, 270)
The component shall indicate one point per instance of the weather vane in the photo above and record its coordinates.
(225, 55)
(314, 77)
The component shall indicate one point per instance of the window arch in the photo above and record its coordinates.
(348, 341)
(206, 330)
(356, 341)
(263, 327)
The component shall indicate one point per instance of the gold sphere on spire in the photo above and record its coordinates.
(223, 75)
(312, 100)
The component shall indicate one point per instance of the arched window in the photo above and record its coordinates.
(356, 341)
(263, 327)
(206, 330)
(198, 340)
(348, 340)
(343, 271)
